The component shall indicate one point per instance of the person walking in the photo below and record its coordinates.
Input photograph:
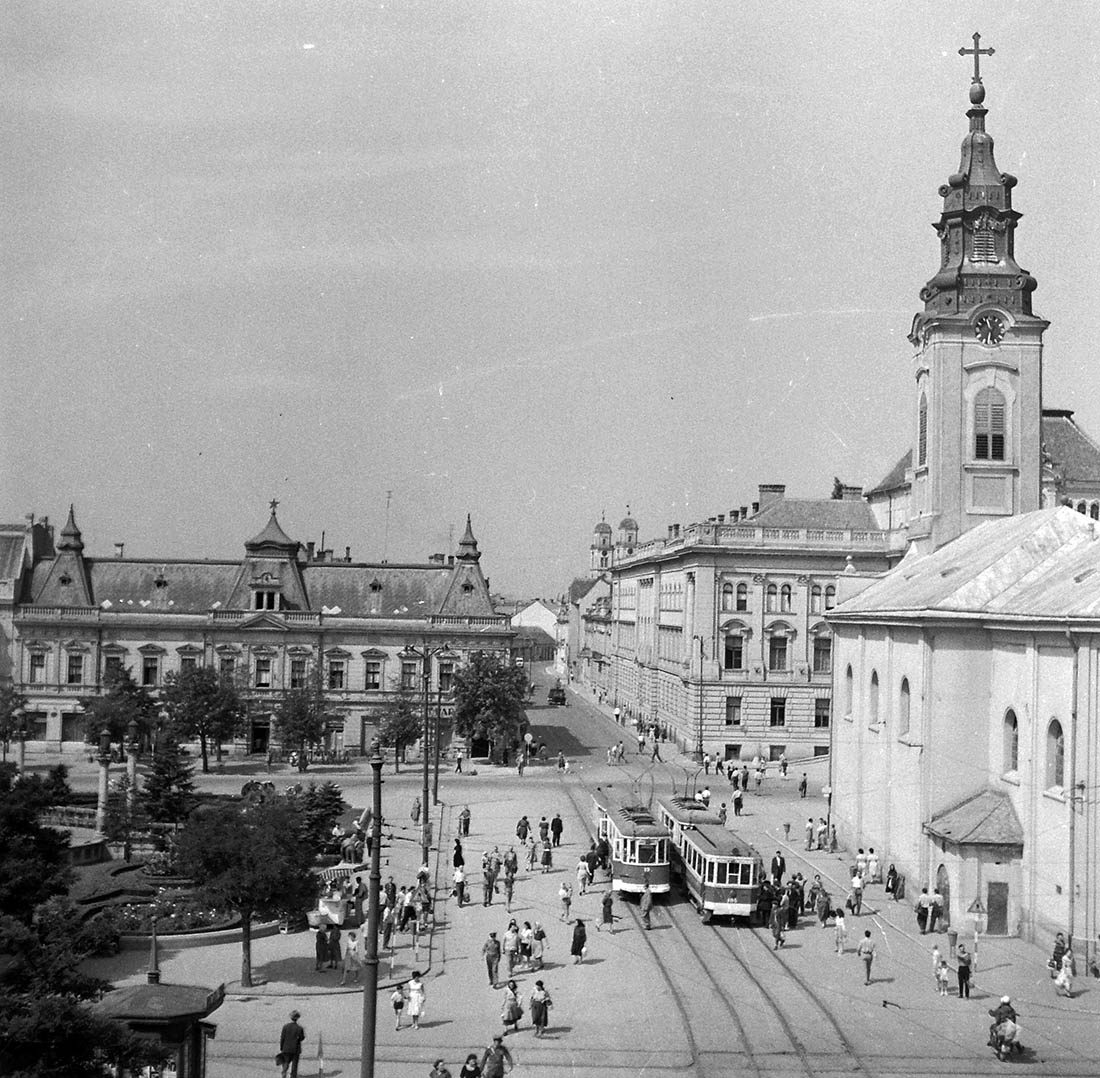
(353, 961)
(416, 998)
(580, 942)
(556, 828)
(320, 948)
(290, 1045)
(464, 821)
(389, 919)
(779, 868)
(810, 833)
(491, 951)
(547, 858)
(783, 766)
(874, 867)
(645, 905)
(458, 762)
(523, 829)
(607, 916)
(779, 920)
(458, 858)
(471, 1068)
(439, 1070)
(840, 930)
(866, 952)
(460, 886)
(1063, 982)
(706, 763)
(656, 753)
(943, 978)
(538, 945)
(510, 947)
(496, 1059)
(335, 949)
(923, 905)
(532, 855)
(964, 960)
(544, 830)
(414, 813)
(511, 1011)
(584, 876)
(618, 716)
(509, 889)
(935, 912)
(565, 895)
(397, 1001)
(861, 864)
(822, 834)
(936, 959)
(857, 893)
(540, 1003)
(737, 801)
(803, 785)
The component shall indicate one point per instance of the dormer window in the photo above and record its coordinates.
(266, 599)
(467, 587)
(65, 579)
(375, 585)
(160, 582)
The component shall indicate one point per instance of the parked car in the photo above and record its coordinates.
(556, 695)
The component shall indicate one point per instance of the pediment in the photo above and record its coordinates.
(152, 649)
(264, 620)
(373, 653)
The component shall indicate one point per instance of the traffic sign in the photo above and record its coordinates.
(976, 906)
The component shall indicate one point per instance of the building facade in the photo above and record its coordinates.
(275, 619)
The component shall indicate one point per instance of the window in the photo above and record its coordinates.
(732, 752)
(770, 597)
(989, 425)
(74, 674)
(823, 709)
(904, 705)
(227, 665)
(1011, 741)
(265, 599)
(815, 599)
(112, 664)
(733, 710)
(336, 669)
(872, 700)
(734, 653)
(188, 663)
(374, 675)
(849, 691)
(778, 716)
(922, 432)
(38, 667)
(777, 652)
(446, 676)
(408, 675)
(263, 674)
(298, 673)
(742, 596)
(1056, 754)
(785, 597)
(830, 597)
(823, 654)
(150, 669)
(727, 597)
(821, 750)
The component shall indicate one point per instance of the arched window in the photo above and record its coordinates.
(815, 599)
(1011, 731)
(830, 597)
(742, 596)
(989, 425)
(785, 597)
(1056, 754)
(1094, 510)
(872, 700)
(903, 707)
(823, 653)
(849, 691)
(727, 597)
(922, 431)
(778, 653)
(770, 597)
(1082, 508)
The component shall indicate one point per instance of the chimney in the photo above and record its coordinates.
(850, 494)
(310, 547)
(119, 549)
(450, 559)
(744, 512)
(755, 508)
(770, 492)
(347, 553)
(670, 531)
(721, 518)
(436, 559)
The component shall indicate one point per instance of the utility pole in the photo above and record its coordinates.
(370, 961)
(425, 654)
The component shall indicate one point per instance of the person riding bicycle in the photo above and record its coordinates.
(1004, 1028)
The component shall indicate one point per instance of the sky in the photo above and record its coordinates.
(532, 261)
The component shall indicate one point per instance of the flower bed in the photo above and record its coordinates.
(174, 914)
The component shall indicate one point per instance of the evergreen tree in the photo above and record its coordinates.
(317, 807)
(168, 794)
(10, 702)
(126, 817)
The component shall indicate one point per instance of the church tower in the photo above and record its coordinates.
(977, 400)
(600, 553)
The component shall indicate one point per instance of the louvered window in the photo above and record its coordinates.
(922, 432)
(985, 246)
(989, 425)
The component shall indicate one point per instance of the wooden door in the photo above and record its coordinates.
(997, 904)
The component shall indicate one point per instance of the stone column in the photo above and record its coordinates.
(104, 758)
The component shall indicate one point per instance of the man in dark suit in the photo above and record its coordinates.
(290, 1045)
(779, 867)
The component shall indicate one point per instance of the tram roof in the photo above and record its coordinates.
(686, 810)
(631, 817)
(715, 841)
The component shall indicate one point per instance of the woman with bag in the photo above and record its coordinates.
(538, 945)
(510, 1009)
(416, 998)
(580, 941)
(540, 1008)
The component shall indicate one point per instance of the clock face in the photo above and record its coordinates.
(989, 329)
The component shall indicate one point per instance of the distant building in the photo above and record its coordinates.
(273, 619)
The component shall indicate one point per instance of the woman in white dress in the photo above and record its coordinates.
(415, 996)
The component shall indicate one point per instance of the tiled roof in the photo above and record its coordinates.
(1044, 564)
(1073, 453)
(827, 513)
(405, 591)
(189, 587)
(986, 819)
(895, 477)
(581, 586)
(11, 554)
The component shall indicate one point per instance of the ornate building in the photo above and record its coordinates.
(275, 618)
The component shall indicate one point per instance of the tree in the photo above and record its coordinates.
(251, 859)
(301, 718)
(168, 795)
(317, 808)
(123, 699)
(488, 695)
(400, 724)
(10, 702)
(838, 489)
(204, 704)
(125, 818)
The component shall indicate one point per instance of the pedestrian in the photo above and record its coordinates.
(866, 952)
(523, 828)
(290, 1045)
(857, 893)
(822, 833)
(320, 947)
(935, 913)
(759, 776)
(656, 754)
(936, 959)
(722, 814)
(779, 868)
(416, 998)
(491, 951)
(458, 762)
(922, 907)
(783, 766)
(964, 960)
(471, 1068)
(943, 978)
(544, 829)
(509, 889)
(737, 801)
(561, 761)
(460, 886)
(521, 762)
(464, 821)
(538, 945)
(607, 917)
(547, 858)
(565, 896)
(556, 827)
(779, 920)
(706, 763)
(397, 1001)
(352, 960)
(618, 715)
(540, 1008)
(458, 858)
(1063, 982)
(584, 876)
(487, 883)
(821, 906)
(389, 918)
(494, 1059)
(833, 839)
(511, 1011)
(439, 1070)
(414, 813)
(840, 930)
(645, 904)
(810, 833)
(580, 942)
(892, 882)
(874, 867)
(532, 855)
(335, 950)
(745, 777)
(510, 946)
(803, 785)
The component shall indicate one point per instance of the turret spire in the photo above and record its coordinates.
(70, 535)
(467, 545)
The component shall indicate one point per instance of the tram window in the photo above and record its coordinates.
(647, 853)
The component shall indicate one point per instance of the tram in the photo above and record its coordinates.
(720, 871)
(639, 845)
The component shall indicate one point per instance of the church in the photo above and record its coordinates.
(965, 748)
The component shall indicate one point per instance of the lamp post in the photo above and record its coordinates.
(370, 960)
(131, 762)
(104, 759)
(425, 653)
(19, 729)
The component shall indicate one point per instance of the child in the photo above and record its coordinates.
(936, 959)
(943, 975)
(398, 1001)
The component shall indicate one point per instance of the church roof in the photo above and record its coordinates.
(894, 478)
(986, 819)
(581, 586)
(1072, 452)
(828, 513)
(1040, 565)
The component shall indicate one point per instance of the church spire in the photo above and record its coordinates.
(977, 226)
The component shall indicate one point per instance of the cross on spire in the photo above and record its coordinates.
(976, 52)
(273, 505)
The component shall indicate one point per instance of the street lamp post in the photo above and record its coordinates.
(425, 653)
(104, 760)
(131, 762)
(20, 731)
(370, 961)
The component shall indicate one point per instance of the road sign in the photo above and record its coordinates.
(976, 907)
(528, 738)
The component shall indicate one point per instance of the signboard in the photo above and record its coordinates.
(976, 907)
